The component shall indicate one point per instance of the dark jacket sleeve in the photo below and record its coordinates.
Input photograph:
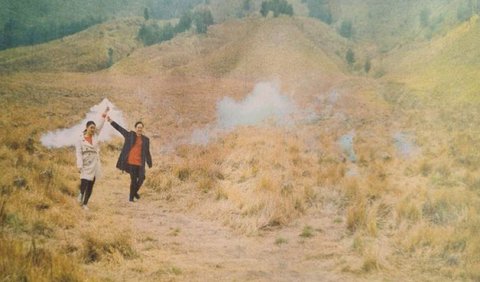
(148, 155)
(120, 129)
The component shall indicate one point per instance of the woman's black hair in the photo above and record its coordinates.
(90, 122)
(139, 122)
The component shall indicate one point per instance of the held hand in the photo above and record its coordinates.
(106, 111)
(109, 119)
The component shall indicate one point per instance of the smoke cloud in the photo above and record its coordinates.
(346, 144)
(405, 145)
(265, 103)
(68, 137)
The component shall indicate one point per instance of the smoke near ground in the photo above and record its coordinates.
(265, 103)
(346, 144)
(68, 137)
(405, 145)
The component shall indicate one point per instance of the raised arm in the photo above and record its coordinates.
(102, 120)
(120, 129)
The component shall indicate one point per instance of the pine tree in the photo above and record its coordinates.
(146, 15)
(350, 57)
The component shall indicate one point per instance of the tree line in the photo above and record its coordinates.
(14, 33)
(277, 7)
(152, 33)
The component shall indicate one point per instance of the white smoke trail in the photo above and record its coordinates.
(266, 102)
(68, 137)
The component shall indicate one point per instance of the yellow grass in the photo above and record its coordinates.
(422, 212)
(29, 261)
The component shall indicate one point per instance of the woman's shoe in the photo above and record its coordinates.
(80, 198)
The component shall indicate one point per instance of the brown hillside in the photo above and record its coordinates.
(265, 202)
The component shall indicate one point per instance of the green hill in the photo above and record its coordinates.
(84, 52)
(28, 22)
(448, 66)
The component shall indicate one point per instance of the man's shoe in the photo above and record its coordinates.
(137, 196)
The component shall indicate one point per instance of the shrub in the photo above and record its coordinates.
(277, 7)
(350, 57)
(97, 248)
(346, 29)
(185, 23)
(367, 66)
(110, 57)
(319, 9)
(146, 15)
(307, 232)
(202, 19)
(280, 241)
(425, 17)
(464, 12)
(152, 34)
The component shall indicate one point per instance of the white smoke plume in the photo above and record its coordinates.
(405, 145)
(266, 102)
(68, 137)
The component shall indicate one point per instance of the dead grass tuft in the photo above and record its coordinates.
(109, 247)
(21, 261)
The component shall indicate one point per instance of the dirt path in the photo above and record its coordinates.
(171, 246)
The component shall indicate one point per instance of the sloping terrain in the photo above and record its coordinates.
(446, 65)
(351, 188)
(85, 51)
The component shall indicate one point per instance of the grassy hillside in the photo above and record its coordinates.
(446, 67)
(34, 12)
(255, 180)
(246, 48)
(391, 24)
(24, 23)
(41, 234)
(385, 215)
(36, 187)
(85, 51)
(441, 78)
(436, 85)
(385, 23)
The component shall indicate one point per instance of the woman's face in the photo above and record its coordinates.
(91, 129)
(139, 129)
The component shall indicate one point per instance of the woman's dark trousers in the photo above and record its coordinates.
(86, 188)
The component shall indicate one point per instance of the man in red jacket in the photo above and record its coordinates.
(135, 153)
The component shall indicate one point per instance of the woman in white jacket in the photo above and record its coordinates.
(88, 159)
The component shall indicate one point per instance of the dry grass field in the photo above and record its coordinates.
(372, 179)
